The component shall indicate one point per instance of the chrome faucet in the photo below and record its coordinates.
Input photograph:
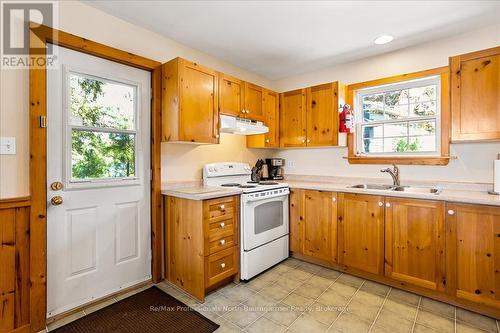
(394, 174)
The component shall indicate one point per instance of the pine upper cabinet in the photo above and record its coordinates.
(271, 105)
(415, 242)
(293, 118)
(323, 103)
(473, 253)
(254, 95)
(361, 232)
(313, 224)
(475, 96)
(189, 102)
(231, 92)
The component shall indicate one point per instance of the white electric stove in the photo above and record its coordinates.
(264, 215)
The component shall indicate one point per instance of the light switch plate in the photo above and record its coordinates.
(7, 146)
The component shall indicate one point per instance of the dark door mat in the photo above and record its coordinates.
(149, 311)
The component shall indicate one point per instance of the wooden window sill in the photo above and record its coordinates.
(410, 160)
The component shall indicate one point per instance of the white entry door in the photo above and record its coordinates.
(98, 179)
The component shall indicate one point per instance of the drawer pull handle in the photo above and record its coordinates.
(222, 265)
(222, 225)
(222, 241)
(451, 212)
(221, 207)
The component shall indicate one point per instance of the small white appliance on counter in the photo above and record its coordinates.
(264, 216)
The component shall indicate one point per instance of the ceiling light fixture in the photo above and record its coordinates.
(384, 39)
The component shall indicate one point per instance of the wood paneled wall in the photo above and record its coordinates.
(15, 264)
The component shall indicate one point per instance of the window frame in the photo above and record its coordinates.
(68, 127)
(440, 157)
(409, 84)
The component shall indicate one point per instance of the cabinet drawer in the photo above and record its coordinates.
(220, 242)
(221, 265)
(219, 209)
(221, 228)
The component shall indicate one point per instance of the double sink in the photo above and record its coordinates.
(407, 189)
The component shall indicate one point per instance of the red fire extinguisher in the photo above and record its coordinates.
(346, 119)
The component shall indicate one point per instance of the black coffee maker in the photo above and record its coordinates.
(275, 168)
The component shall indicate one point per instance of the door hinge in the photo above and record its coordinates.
(43, 121)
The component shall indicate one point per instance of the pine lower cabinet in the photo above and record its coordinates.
(415, 242)
(361, 232)
(313, 224)
(473, 253)
(202, 249)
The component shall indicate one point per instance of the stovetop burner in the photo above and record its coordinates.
(230, 184)
(247, 186)
(268, 182)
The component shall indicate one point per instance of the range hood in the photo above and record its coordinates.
(241, 126)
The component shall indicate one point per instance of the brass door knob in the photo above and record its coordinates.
(56, 201)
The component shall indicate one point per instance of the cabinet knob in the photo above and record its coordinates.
(222, 242)
(267, 140)
(222, 265)
(308, 140)
(222, 225)
(247, 111)
(388, 205)
(334, 199)
(451, 212)
(380, 203)
(303, 140)
(221, 207)
(243, 111)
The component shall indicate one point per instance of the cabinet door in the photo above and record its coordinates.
(199, 114)
(271, 119)
(322, 115)
(230, 95)
(293, 119)
(475, 95)
(415, 242)
(296, 212)
(320, 225)
(361, 232)
(253, 102)
(473, 253)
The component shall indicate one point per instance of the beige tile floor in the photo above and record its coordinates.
(298, 297)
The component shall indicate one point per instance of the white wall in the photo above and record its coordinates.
(85, 21)
(475, 160)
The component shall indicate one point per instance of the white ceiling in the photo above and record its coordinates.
(277, 39)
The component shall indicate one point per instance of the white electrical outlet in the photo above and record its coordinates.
(290, 164)
(7, 146)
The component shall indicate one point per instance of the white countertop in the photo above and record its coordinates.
(196, 191)
(473, 196)
(451, 192)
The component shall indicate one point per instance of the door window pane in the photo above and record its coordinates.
(100, 103)
(97, 155)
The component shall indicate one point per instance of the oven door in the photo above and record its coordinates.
(263, 220)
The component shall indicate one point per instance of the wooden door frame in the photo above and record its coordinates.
(40, 36)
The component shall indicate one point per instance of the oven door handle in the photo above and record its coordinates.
(253, 199)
